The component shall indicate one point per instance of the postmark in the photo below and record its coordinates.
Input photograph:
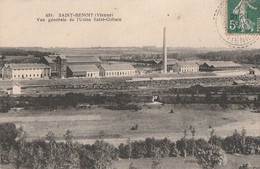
(234, 40)
(243, 16)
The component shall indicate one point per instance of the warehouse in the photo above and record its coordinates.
(50, 61)
(219, 65)
(89, 71)
(25, 71)
(186, 67)
(117, 70)
(60, 63)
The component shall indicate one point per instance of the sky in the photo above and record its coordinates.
(189, 23)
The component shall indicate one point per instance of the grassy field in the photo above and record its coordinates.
(153, 121)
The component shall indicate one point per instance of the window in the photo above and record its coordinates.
(18, 75)
(14, 75)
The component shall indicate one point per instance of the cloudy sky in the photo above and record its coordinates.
(189, 23)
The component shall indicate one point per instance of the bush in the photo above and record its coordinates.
(215, 140)
(233, 144)
(210, 156)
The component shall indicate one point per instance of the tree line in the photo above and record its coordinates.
(122, 101)
(240, 56)
(21, 52)
(49, 153)
(115, 102)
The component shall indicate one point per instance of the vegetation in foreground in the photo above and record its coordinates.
(48, 153)
(222, 96)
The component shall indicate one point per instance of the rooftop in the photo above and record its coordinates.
(28, 65)
(222, 64)
(49, 59)
(187, 63)
(117, 66)
(83, 68)
(62, 56)
(87, 59)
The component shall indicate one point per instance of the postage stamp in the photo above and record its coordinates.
(243, 16)
(233, 32)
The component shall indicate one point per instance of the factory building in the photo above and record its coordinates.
(88, 71)
(171, 64)
(218, 66)
(50, 61)
(186, 67)
(60, 63)
(116, 70)
(25, 71)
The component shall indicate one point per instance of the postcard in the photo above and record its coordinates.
(120, 84)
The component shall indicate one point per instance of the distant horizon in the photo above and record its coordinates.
(158, 47)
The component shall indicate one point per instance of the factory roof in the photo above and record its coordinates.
(62, 56)
(222, 64)
(187, 63)
(201, 62)
(49, 59)
(117, 66)
(86, 59)
(171, 61)
(26, 66)
(83, 68)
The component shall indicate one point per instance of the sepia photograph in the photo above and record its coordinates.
(130, 84)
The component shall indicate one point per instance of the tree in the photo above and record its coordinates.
(68, 137)
(8, 133)
(243, 141)
(67, 155)
(182, 145)
(156, 160)
(210, 156)
(104, 154)
(128, 141)
(193, 141)
(50, 137)
(8, 136)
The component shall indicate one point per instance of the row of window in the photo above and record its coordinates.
(30, 69)
(30, 75)
(119, 73)
(189, 70)
(92, 74)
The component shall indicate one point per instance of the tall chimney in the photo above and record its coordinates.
(164, 51)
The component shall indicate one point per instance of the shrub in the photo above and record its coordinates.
(210, 156)
(124, 151)
(232, 144)
(138, 149)
(215, 140)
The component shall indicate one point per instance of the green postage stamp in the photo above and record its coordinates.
(243, 16)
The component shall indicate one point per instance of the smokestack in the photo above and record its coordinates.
(164, 51)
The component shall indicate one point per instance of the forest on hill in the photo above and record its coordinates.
(240, 56)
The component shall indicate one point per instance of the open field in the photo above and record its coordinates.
(153, 121)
